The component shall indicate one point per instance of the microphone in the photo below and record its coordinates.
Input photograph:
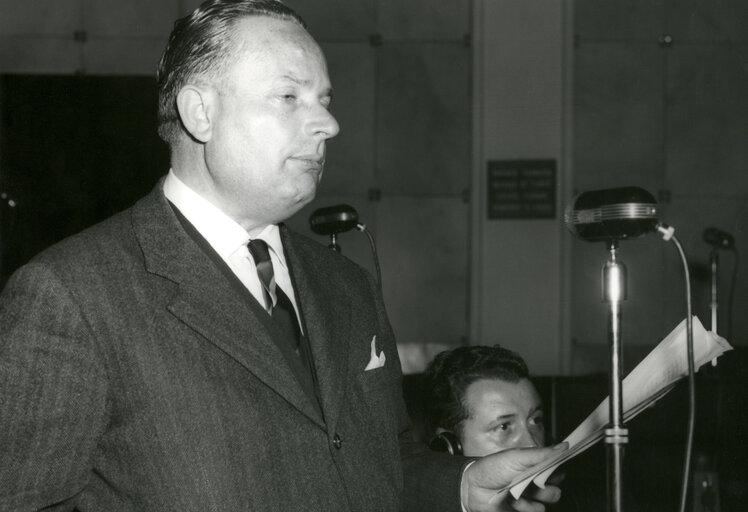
(340, 218)
(718, 238)
(612, 214)
(332, 220)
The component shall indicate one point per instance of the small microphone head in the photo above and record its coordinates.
(719, 238)
(612, 214)
(333, 219)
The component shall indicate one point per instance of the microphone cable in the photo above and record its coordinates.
(667, 233)
(362, 228)
(731, 293)
(336, 219)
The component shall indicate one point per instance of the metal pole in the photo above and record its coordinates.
(334, 242)
(713, 263)
(614, 292)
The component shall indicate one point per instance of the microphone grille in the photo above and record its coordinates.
(608, 212)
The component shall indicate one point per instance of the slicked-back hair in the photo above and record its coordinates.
(448, 376)
(200, 47)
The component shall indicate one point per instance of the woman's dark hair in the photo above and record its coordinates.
(200, 47)
(448, 376)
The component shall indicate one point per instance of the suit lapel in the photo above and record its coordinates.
(327, 320)
(206, 301)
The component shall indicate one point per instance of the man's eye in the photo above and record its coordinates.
(288, 98)
(538, 420)
(503, 427)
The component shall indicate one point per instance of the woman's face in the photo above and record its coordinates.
(503, 415)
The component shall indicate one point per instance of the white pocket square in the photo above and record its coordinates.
(376, 361)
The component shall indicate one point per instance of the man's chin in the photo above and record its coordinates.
(298, 202)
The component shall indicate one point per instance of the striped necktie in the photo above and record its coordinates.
(277, 303)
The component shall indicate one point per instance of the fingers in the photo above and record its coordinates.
(536, 455)
(484, 479)
(536, 499)
(548, 494)
(495, 472)
(522, 505)
(525, 458)
(556, 479)
(520, 459)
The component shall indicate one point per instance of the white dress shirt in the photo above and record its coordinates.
(230, 240)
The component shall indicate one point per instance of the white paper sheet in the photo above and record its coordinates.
(652, 379)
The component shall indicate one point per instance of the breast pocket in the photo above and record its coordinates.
(379, 390)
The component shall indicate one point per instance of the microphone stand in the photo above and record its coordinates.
(334, 242)
(714, 263)
(616, 435)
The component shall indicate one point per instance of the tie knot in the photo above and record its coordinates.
(260, 253)
(259, 250)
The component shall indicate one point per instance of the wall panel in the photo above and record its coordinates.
(425, 19)
(40, 18)
(697, 20)
(424, 267)
(707, 120)
(423, 118)
(619, 20)
(618, 116)
(130, 19)
(335, 20)
(120, 56)
(39, 55)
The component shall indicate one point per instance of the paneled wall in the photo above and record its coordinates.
(660, 102)
(520, 111)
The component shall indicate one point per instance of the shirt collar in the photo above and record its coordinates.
(224, 234)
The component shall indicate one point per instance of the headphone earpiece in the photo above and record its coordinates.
(446, 442)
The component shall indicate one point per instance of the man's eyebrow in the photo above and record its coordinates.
(537, 408)
(505, 417)
(327, 92)
(295, 80)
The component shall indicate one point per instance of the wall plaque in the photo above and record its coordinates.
(521, 189)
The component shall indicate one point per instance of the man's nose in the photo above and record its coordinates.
(530, 438)
(323, 123)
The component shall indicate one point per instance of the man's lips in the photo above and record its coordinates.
(312, 162)
(312, 159)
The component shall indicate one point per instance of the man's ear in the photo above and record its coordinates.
(196, 107)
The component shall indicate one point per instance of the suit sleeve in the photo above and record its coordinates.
(52, 393)
(431, 480)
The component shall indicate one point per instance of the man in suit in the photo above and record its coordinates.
(193, 354)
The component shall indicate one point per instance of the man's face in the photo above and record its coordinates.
(503, 415)
(267, 147)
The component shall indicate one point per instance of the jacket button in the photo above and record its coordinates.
(336, 442)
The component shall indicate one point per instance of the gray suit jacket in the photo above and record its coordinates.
(135, 377)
